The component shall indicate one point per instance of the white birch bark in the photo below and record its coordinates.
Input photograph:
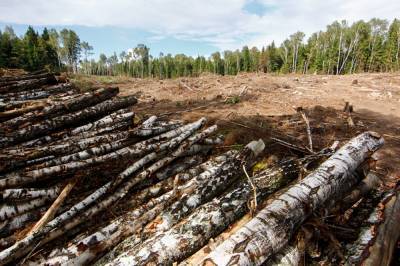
(378, 237)
(268, 232)
(52, 229)
(19, 178)
(29, 193)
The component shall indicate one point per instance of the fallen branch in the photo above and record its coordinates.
(54, 207)
(303, 115)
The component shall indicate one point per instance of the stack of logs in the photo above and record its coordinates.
(83, 179)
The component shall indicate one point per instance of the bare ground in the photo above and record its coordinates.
(245, 105)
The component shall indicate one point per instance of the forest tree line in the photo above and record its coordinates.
(343, 48)
(51, 49)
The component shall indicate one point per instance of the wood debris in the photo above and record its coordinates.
(84, 180)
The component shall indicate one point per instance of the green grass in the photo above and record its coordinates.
(233, 100)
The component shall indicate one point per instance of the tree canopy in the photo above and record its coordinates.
(342, 48)
(51, 49)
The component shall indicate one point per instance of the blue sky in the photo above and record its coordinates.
(108, 39)
(192, 27)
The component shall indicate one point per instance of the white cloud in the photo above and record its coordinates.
(223, 23)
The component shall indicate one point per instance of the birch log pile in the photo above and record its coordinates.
(273, 226)
(103, 183)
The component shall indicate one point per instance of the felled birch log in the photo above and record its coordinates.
(178, 167)
(126, 227)
(88, 153)
(36, 94)
(149, 121)
(67, 120)
(120, 126)
(72, 105)
(213, 141)
(9, 210)
(18, 178)
(206, 222)
(289, 256)
(7, 83)
(136, 203)
(29, 84)
(4, 116)
(62, 139)
(207, 185)
(268, 232)
(198, 148)
(9, 226)
(18, 194)
(14, 158)
(378, 238)
(27, 77)
(369, 183)
(116, 117)
(53, 229)
(289, 168)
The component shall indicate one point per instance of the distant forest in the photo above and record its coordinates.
(372, 46)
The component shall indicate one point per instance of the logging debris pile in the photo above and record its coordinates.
(84, 179)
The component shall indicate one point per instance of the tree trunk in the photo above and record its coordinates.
(378, 239)
(339, 50)
(116, 117)
(54, 229)
(28, 76)
(16, 194)
(20, 178)
(67, 120)
(273, 226)
(72, 105)
(18, 222)
(130, 227)
(7, 115)
(28, 84)
(41, 93)
(209, 220)
(9, 210)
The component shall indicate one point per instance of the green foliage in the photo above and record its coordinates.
(32, 51)
(372, 46)
(341, 49)
(233, 100)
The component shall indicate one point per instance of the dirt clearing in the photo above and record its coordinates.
(246, 103)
